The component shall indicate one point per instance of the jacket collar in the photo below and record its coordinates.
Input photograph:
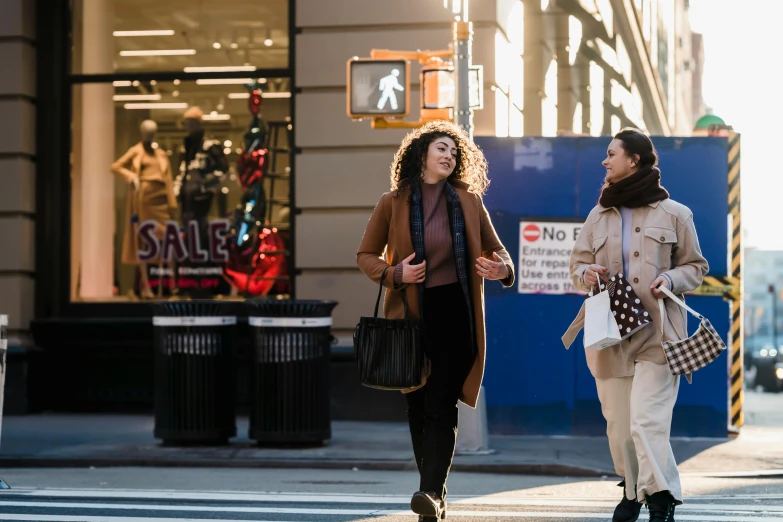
(603, 209)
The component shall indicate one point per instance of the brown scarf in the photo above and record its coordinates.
(637, 190)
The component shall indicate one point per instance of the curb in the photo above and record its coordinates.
(558, 470)
(753, 474)
(548, 469)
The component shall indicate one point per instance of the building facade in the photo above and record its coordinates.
(102, 217)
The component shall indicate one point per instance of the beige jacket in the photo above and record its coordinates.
(663, 241)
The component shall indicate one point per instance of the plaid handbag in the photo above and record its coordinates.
(697, 351)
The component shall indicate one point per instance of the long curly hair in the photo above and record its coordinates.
(408, 164)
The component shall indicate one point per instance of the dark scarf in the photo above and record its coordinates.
(637, 190)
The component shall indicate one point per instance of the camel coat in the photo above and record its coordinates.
(387, 241)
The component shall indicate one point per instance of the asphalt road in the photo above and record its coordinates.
(177, 495)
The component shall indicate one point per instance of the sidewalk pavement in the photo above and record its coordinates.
(127, 440)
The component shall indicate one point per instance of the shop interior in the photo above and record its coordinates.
(180, 150)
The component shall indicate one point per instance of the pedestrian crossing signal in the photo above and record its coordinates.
(378, 88)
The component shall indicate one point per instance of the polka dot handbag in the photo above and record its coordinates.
(627, 308)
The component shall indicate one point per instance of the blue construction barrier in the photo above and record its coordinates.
(533, 385)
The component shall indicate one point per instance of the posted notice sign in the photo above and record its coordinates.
(544, 254)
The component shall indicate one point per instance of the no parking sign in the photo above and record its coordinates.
(544, 254)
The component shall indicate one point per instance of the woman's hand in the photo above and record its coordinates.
(413, 273)
(592, 274)
(660, 281)
(492, 269)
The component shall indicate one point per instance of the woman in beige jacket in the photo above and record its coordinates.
(638, 231)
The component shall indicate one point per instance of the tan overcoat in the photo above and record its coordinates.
(387, 241)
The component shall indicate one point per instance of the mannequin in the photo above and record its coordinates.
(150, 197)
(201, 171)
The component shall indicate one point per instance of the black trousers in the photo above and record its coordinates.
(432, 409)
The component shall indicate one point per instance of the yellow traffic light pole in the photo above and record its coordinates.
(433, 58)
(423, 57)
(457, 59)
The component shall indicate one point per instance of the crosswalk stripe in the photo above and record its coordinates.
(602, 516)
(475, 514)
(199, 508)
(83, 518)
(311, 498)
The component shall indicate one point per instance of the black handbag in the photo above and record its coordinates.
(390, 352)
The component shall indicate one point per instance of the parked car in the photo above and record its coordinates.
(764, 368)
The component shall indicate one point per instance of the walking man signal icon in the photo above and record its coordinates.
(387, 86)
(378, 88)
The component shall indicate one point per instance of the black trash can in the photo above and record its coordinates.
(289, 394)
(195, 372)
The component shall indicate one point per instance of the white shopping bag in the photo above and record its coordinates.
(601, 330)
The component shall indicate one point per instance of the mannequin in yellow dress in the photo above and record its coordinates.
(150, 197)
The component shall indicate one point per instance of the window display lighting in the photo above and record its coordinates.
(132, 106)
(216, 117)
(154, 32)
(136, 97)
(246, 95)
(159, 52)
(224, 81)
(228, 68)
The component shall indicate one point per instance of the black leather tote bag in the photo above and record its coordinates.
(390, 352)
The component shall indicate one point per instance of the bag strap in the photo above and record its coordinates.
(380, 291)
(677, 300)
(601, 287)
(405, 302)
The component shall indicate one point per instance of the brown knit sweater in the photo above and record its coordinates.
(438, 245)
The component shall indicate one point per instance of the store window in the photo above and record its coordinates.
(180, 179)
(155, 35)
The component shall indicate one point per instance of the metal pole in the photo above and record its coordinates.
(3, 351)
(463, 49)
(473, 436)
(774, 316)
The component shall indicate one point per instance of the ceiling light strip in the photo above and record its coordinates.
(154, 32)
(131, 106)
(228, 68)
(246, 95)
(159, 52)
(136, 97)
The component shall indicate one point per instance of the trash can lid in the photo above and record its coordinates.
(290, 308)
(191, 320)
(195, 308)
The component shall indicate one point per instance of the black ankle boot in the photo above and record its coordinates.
(626, 510)
(661, 507)
(423, 518)
(428, 505)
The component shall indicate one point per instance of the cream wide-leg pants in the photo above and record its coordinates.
(638, 413)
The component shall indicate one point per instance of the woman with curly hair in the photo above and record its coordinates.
(434, 239)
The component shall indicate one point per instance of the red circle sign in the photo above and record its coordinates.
(531, 232)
